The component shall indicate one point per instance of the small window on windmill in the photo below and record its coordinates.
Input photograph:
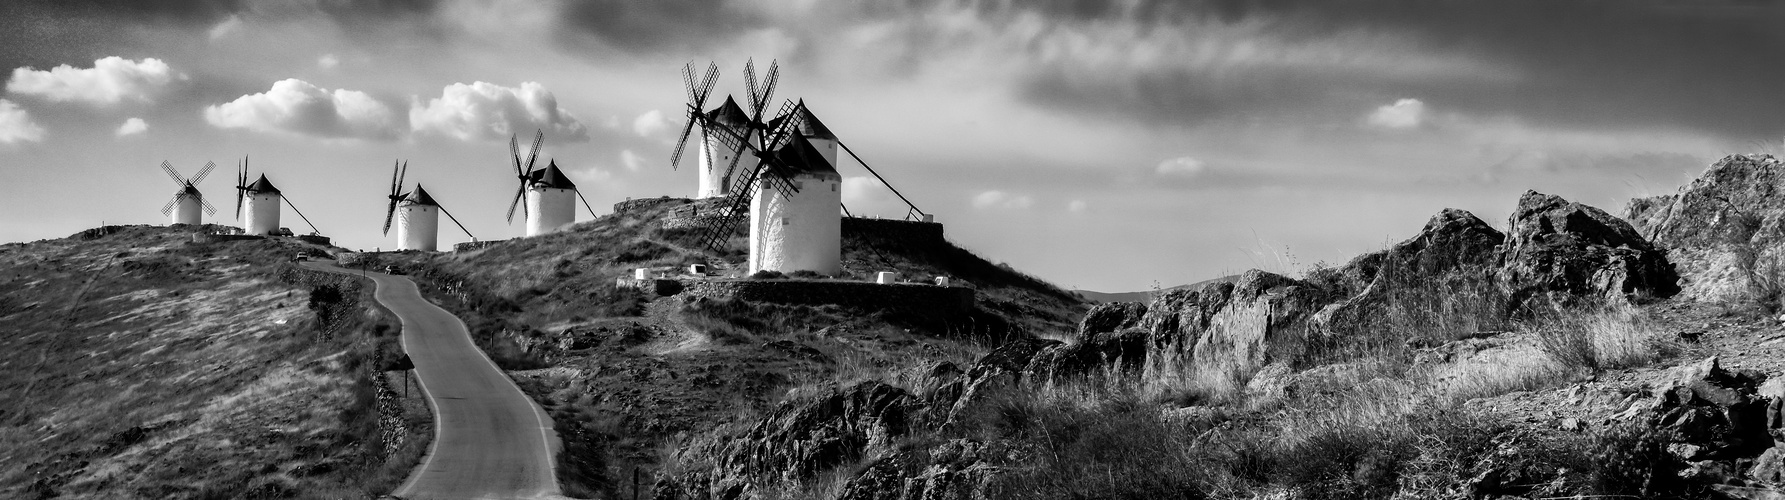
(798, 185)
(786, 221)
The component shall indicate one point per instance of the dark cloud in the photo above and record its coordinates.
(1711, 66)
(660, 25)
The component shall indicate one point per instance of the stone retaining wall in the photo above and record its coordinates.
(916, 298)
(474, 245)
(892, 228)
(644, 203)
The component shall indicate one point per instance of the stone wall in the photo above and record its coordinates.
(474, 245)
(891, 228)
(644, 203)
(657, 286)
(917, 298)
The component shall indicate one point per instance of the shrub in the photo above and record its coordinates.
(767, 275)
(1612, 337)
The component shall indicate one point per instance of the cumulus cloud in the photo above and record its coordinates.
(1404, 113)
(484, 110)
(631, 160)
(1000, 199)
(133, 126)
(1182, 166)
(16, 125)
(109, 81)
(650, 123)
(297, 107)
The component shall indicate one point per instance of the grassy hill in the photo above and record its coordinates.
(627, 377)
(139, 364)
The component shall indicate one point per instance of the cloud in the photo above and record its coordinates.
(1182, 166)
(109, 81)
(133, 126)
(297, 107)
(328, 61)
(488, 111)
(1404, 113)
(231, 24)
(1002, 200)
(650, 123)
(1077, 206)
(631, 160)
(16, 125)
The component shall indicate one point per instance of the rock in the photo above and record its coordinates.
(1125, 350)
(1571, 425)
(1112, 317)
(1712, 409)
(983, 386)
(1563, 251)
(1686, 451)
(1770, 467)
(955, 469)
(1723, 229)
(797, 441)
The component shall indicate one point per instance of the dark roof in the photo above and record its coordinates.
(729, 114)
(810, 126)
(190, 189)
(799, 157)
(262, 186)
(551, 177)
(420, 197)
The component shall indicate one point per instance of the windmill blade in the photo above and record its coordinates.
(209, 210)
(395, 185)
(169, 207)
(707, 83)
(517, 202)
(171, 173)
(675, 158)
(388, 212)
(514, 149)
(688, 81)
(538, 140)
(241, 187)
(209, 165)
(750, 84)
(404, 177)
(769, 81)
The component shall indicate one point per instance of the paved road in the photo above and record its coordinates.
(491, 441)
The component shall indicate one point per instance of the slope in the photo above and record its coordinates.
(626, 375)
(139, 364)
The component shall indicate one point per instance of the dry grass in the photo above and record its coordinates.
(1613, 337)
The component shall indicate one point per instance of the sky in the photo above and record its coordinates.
(1101, 145)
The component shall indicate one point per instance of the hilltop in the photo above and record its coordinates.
(627, 374)
(142, 364)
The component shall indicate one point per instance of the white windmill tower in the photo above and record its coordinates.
(416, 213)
(184, 207)
(262, 199)
(549, 194)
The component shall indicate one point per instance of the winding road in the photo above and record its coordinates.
(490, 440)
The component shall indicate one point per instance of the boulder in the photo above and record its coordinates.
(1455, 252)
(958, 469)
(1564, 251)
(1723, 230)
(1713, 413)
(797, 441)
(991, 379)
(1111, 317)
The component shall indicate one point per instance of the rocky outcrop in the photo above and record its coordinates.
(957, 469)
(1455, 252)
(1723, 230)
(1563, 251)
(796, 442)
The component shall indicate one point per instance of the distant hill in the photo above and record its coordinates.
(1147, 296)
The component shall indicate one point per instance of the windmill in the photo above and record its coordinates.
(549, 194)
(184, 207)
(262, 199)
(789, 185)
(725, 130)
(418, 223)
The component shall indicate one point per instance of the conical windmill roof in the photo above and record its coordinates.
(190, 190)
(808, 123)
(729, 114)
(420, 197)
(551, 177)
(262, 186)
(799, 157)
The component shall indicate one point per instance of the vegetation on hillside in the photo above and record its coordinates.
(147, 366)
